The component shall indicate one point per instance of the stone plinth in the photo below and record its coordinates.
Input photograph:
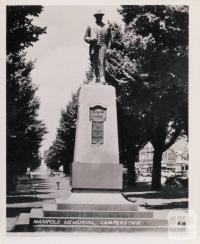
(96, 156)
(105, 176)
(92, 212)
(96, 201)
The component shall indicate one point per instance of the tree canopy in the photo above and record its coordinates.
(21, 32)
(148, 65)
(62, 150)
(25, 130)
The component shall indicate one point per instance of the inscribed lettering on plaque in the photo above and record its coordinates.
(97, 115)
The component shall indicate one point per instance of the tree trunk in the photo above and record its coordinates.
(66, 168)
(131, 167)
(156, 173)
(131, 174)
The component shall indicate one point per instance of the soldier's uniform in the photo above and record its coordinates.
(98, 36)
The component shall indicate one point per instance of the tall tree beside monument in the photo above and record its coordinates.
(150, 87)
(124, 73)
(24, 130)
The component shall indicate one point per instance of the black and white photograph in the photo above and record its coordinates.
(97, 120)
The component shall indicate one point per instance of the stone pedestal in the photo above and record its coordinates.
(96, 156)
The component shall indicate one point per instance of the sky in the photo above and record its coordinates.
(62, 58)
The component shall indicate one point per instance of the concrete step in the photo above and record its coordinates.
(96, 201)
(102, 214)
(36, 212)
(50, 210)
(98, 207)
(22, 223)
(95, 229)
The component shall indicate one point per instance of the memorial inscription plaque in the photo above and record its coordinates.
(97, 115)
(92, 221)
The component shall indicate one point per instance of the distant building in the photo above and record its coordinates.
(171, 159)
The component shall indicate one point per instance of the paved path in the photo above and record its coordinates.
(25, 197)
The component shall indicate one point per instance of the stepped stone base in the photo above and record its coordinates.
(91, 212)
(96, 201)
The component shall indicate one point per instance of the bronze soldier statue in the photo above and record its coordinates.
(98, 36)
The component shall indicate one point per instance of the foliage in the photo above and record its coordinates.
(124, 73)
(21, 32)
(62, 150)
(24, 130)
(150, 90)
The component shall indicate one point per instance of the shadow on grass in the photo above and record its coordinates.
(31, 181)
(23, 194)
(139, 187)
(171, 205)
(143, 190)
(26, 199)
(22, 199)
(39, 179)
(13, 212)
(42, 187)
(160, 195)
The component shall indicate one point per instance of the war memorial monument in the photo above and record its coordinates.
(96, 203)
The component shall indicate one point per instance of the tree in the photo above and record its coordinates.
(62, 150)
(151, 92)
(132, 138)
(24, 130)
(125, 74)
(166, 29)
(21, 33)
